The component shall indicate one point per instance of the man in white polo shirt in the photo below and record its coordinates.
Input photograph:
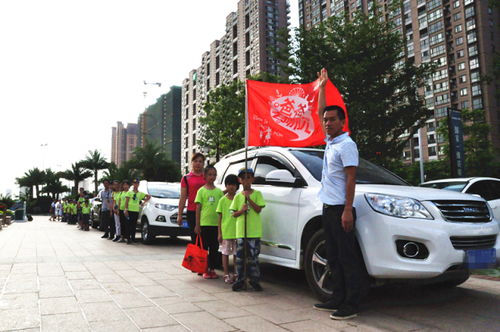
(338, 182)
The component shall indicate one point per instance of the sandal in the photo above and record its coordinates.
(228, 279)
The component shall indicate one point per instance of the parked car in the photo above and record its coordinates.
(404, 233)
(159, 214)
(487, 188)
(95, 212)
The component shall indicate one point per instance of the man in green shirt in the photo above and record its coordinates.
(133, 199)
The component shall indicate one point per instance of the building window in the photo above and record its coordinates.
(462, 79)
(460, 54)
(474, 63)
(470, 24)
(473, 50)
(461, 66)
(247, 58)
(471, 37)
(235, 31)
(463, 92)
(477, 103)
(432, 151)
(436, 38)
(456, 4)
(476, 90)
(457, 16)
(469, 12)
(475, 76)
(459, 40)
(440, 112)
(458, 28)
(235, 49)
(217, 62)
(235, 66)
(247, 39)
(217, 79)
(464, 105)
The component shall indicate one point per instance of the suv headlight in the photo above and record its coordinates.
(167, 207)
(401, 207)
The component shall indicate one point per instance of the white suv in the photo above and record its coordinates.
(159, 214)
(404, 232)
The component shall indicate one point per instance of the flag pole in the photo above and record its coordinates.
(245, 241)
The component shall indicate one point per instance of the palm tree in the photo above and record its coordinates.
(53, 185)
(154, 163)
(26, 182)
(32, 178)
(76, 174)
(124, 172)
(95, 162)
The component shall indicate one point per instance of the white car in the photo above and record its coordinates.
(487, 188)
(404, 233)
(159, 214)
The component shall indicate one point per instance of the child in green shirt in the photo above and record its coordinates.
(249, 202)
(227, 226)
(206, 201)
(85, 206)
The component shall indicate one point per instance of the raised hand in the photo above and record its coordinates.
(322, 77)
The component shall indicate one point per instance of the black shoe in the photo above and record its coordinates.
(111, 237)
(327, 306)
(256, 286)
(344, 313)
(116, 239)
(129, 241)
(105, 236)
(238, 286)
(122, 240)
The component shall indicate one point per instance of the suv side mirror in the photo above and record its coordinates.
(280, 176)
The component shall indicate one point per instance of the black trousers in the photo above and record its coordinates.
(132, 224)
(343, 257)
(191, 219)
(108, 223)
(209, 235)
(123, 225)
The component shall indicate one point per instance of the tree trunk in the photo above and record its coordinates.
(95, 182)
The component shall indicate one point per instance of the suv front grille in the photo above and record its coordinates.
(464, 211)
(473, 242)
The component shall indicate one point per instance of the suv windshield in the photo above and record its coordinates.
(454, 186)
(367, 172)
(163, 190)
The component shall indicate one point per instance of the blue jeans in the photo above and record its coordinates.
(252, 255)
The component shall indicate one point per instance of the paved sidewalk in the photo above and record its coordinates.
(56, 278)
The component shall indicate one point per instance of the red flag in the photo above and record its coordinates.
(287, 114)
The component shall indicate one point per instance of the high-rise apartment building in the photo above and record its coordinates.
(161, 124)
(251, 32)
(123, 142)
(460, 36)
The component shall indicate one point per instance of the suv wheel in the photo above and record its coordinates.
(146, 234)
(317, 271)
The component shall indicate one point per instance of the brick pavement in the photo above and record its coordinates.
(55, 278)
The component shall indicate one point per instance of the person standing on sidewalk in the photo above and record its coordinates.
(107, 221)
(338, 182)
(133, 200)
(190, 184)
(121, 206)
(116, 211)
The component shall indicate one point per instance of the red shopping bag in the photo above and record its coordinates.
(195, 258)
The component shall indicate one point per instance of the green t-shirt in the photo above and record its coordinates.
(208, 198)
(254, 223)
(72, 208)
(85, 208)
(134, 204)
(121, 199)
(228, 222)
